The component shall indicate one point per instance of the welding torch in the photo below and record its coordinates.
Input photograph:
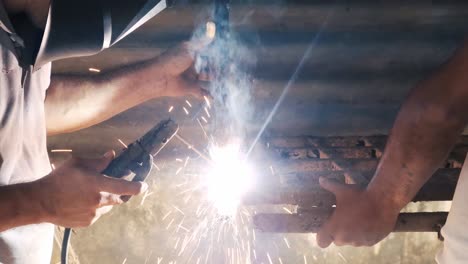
(137, 158)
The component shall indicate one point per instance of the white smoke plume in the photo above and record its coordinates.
(229, 63)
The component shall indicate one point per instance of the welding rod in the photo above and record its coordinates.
(190, 146)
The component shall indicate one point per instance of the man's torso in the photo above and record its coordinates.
(23, 151)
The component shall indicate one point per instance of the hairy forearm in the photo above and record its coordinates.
(426, 128)
(76, 102)
(19, 205)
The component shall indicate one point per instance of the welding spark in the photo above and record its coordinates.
(183, 228)
(156, 166)
(287, 210)
(188, 103)
(52, 166)
(272, 170)
(190, 146)
(177, 243)
(207, 112)
(228, 178)
(122, 143)
(188, 197)
(186, 191)
(286, 242)
(305, 259)
(186, 111)
(189, 191)
(342, 257)
(207, 102)
(147, 193)
(166, 215)
(269, 258)
(208, 254)
(201, 126)
(94, 70)
(61, 151)
(149, 257)
(181, 184)
(170, 223)
(180, 211)
(197, 213)
(170, 109)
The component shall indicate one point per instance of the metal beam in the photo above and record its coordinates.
(311, 221)
(440, 187)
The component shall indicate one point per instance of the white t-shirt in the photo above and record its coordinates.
(23, 151)
(455, 231)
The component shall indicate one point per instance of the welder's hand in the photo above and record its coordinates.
(360, 219)
(177, 69)
(77, 194)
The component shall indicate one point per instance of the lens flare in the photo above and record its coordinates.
(228, 178)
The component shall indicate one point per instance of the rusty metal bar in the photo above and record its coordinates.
(348, 153)
(458, 154)
(303, 160)
(365, 167)
(317, 197)
(330, 153)
(327, 142)
(290, 166)
(311, 221)
(335, 142)
(300, 191)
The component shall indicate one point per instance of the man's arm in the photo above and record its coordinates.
(19, 206)
(74, 195)
(426, 129)
(77, 102)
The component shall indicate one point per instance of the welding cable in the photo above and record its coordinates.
(65, 243)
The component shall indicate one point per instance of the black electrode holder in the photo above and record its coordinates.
(137, 158)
